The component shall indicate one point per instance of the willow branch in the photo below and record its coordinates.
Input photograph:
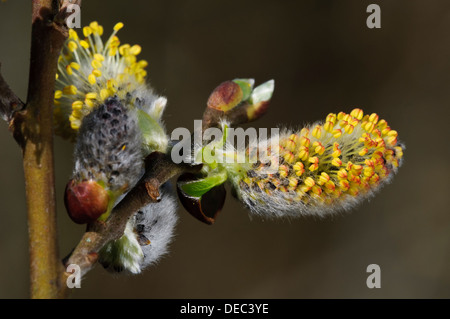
(159, 169)
(33, 129)
(9, 101)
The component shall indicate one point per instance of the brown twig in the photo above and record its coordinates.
(9, 102)
(159, 169)
(37, 131)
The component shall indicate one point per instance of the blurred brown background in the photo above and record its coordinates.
(323, 59)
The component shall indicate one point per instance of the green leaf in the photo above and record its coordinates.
(199, 187)
(246, 86)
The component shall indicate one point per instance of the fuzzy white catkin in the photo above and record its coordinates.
(108, 147)
(146, 239)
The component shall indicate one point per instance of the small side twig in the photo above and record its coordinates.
(9, 101)
(159, 169)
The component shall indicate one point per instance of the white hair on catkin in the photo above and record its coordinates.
(146, 238)
(109, 146)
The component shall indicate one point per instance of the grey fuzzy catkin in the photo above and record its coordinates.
(146, 238)
(108, 147)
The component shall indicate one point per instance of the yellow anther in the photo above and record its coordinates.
(363, 152)
(336, 153)
(91, 95)
(331, 118)
(118, 26)
(304, 141)
(349, 128)
(84, 44)
(314, 160)
(58, 94)
(330, 186)
(299, 168)
(100, 30)
(316, 190)
(89, 103)
(70, 90)
(340, 115)
(385, 131)
(373, 118)
(73, 34)
(336, 162)
(99, 57)
(317, 131)
(344, 184)
(398, 151)
(294, 138)
(290, 145)
(104, 94)
(323, 178)
(111, 83)
(342, 173)
(92, 79)
(357, 113)
(347, 118)
(135, 49)
(293, 181)
(368, 171)
(69, 70)
(72, 46)
(124, 49)
(309, 181)
(289, 157)
(328, 126)
(392, 133)
(303, 153)
(374, 179)
(94, 26)
(319, 148)
(369, 162)
(392, 140)
(283, 171)
(97, 73)
(304, 132)
(313, 167)
(337, 133)
(368, 126)
(353, 191)
(96, 64)
(356, 169)
(77, 105)
(143, 63)
(74, 123)
(87, 31)
(382, 124)
(74, 65)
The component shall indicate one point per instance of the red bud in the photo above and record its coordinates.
(86, 201)
(225, 97)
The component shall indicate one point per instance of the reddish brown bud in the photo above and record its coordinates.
(226, 96)
(86, 201)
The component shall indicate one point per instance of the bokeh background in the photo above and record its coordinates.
(323, 59)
